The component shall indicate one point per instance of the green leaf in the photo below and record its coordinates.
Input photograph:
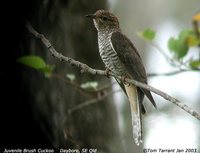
(149, 34)
(184, 34)
(180, 45)
(90, 85)
(37, 63)
(182, 48)
(33, 61)
(172, 44)
(47, 70)
(195, 64)
(71, 77)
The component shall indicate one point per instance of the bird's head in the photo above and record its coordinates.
(104, 20)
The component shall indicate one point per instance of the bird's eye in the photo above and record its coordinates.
(105, 18)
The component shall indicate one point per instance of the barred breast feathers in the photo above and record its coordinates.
(108, 54)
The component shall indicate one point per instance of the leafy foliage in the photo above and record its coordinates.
(195, 64)
(32, 61)
(148, 34)
(37, 63)
(180, 46)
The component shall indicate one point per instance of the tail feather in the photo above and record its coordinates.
(148, 94)
(140, 95)
(132, 94)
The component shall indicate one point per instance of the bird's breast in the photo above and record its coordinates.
(108, 54)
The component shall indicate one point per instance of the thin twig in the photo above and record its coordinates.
(160, 50)
(82, 91)
(165, 96)
(85, 68)
(91, 101)
(173, 72)
(174, 62)
(197, 32)
(75, 85)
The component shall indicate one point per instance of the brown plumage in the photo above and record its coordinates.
(120, 56)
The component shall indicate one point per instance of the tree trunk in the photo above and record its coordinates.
(64, 24)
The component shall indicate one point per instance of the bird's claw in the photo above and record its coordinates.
(107, 72)
(123, 78)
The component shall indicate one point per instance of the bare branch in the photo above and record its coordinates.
(161, 51)
(99, 98)
(172, 61)
(85, 68)
(75, 85)
(173, 72)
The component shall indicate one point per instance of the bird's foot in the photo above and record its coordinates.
(123, 78)
(107, 72)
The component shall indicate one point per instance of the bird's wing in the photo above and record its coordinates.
(131, 60)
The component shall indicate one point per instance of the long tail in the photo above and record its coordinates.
(132, 94)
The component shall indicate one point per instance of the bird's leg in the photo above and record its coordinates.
(123, 78)
(107, 72)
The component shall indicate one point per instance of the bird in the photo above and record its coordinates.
(121, 57)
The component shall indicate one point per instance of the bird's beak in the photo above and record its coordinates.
(90, 16)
